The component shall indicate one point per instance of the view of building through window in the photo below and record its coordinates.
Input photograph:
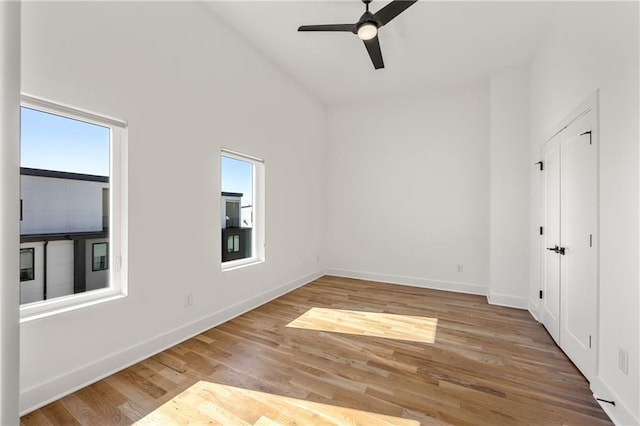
(100, 256)
(26, 264)
(64, 230)
(237, 178)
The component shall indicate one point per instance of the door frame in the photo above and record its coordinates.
(590, 104)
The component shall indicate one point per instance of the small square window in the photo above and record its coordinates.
(100, 256)
(26, 264)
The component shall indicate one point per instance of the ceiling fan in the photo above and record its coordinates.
(367, 27)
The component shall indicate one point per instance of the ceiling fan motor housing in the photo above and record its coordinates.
(367, 17)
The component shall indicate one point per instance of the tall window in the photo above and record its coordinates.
(242, 209)
(72, 183)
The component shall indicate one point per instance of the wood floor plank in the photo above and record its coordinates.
(36, 418)
(362, 358)
(59, 415)
(89, 407)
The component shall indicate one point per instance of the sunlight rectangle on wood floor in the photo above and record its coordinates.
(372, 324)
(212, 403)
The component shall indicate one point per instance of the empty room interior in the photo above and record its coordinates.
(428, 214)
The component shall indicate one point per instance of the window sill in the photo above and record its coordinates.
(233, 265)
(44, 309)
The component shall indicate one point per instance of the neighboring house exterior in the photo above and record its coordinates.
(64, 231)
(236, 223)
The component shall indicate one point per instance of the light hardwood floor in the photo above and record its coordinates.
(390, 355)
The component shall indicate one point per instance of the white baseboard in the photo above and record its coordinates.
(619, 414)
(69, 382)
(508, 301)
(459, 287)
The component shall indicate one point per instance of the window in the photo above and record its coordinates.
(242, 210)
(73, 181)
(100, 256)
(26, 264)
(233, 243)
(232, 214)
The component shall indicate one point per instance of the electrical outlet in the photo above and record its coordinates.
(318, 258)
(623, 361)
(459, 268)
(188, 300)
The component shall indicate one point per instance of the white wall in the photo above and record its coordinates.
(9, 217)
(52, 205)
(595, 46)
(408, 189)
(187, 86)
(509, 187)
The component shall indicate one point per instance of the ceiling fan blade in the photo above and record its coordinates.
(393, 9)
(330, 27)
(373, 47)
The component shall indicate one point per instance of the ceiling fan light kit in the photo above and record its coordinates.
(367, 31)
(367, 27)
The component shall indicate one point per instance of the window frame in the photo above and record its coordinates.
(118, 242)
(33, 263)
(258, 243)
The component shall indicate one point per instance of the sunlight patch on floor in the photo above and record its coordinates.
(212, 403)
(372, 324)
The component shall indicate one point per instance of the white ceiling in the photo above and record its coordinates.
(431, 44)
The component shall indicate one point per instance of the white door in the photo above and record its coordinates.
(578, 231)
(551, 235)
